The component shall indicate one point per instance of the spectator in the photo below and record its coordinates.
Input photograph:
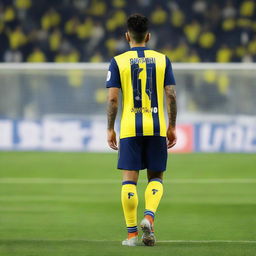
(224, 54)
(55, 40)
(111, 44)
(207, 39)
(71, 25)
(120, 18)
(169, 51)
(192, 31)
(199, 6)
(97, 35)
(177, 18)
(181, 52)
(22, 6)
(67, 54)
(37, 56)
(13, 55)
(193, 57)
(17, 38)
(97, 57)
(98, 8)
(229, 24)
(50, 19)
(9, 14)
(158, 16)
(229, 10)
(81, 4)
(73, 56)
(94, 25)
(116, 21)
(247, 8)
(240, 51)
(252, 46)
(247, 58)
(118, 3)
(84, 29)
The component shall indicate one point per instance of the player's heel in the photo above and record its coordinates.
(131, 242)
(148, 237)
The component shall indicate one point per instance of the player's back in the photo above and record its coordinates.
(143, 73)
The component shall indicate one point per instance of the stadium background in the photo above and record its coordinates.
(62, 203)
(92, 31)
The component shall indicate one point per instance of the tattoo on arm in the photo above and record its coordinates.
(112, 107)
(171, 104)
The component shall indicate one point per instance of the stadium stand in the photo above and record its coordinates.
(92, 30)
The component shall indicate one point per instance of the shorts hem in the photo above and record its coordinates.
(130, 169)
(141, 169)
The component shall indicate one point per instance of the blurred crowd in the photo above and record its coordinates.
(93, 30)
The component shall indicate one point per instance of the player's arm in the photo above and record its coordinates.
(112, 108)
(113, 84)
(170, 92)
(171, 103)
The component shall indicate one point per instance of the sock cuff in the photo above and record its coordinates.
(129, 182)
(157, 179)
(132, 229)
(148, 212)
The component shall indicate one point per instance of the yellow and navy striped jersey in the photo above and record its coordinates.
(141, 74)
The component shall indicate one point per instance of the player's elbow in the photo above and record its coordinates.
(113, 99)
(113, 96)
(170, 92)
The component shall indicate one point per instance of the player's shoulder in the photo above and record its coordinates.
(159, 56)
(157, 53)
(123, 55)
(127, 54)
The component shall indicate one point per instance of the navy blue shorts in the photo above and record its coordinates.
(138, 153)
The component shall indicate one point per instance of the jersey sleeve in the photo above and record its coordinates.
(113, 76)
(169, 77)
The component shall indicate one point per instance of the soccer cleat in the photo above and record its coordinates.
(148, 237)
(131, 242)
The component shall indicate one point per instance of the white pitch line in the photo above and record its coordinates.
(208, 241)
(109, 181)
(117, 241)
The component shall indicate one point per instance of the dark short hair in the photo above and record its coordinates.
(137, 25)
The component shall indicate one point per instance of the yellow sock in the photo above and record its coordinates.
(153, 195)
(130, 203)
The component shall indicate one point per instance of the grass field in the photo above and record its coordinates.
(54, 204)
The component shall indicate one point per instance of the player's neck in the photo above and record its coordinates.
(137, 45)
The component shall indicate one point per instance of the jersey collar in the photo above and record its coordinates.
(141, 48)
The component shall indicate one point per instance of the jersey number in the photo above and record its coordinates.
(136, 83)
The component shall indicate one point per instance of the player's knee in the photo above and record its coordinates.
(155, 175)
(130, 175)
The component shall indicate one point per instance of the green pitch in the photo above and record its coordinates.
(54, 204)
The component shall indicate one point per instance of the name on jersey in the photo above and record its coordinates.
(144, 110)
(142, 60)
